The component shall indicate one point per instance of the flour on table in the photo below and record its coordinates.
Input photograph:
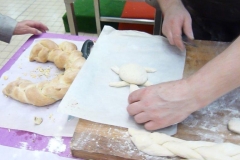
(56, 145)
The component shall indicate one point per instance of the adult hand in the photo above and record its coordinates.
(177, 19)
(30, 27)
(162, 105)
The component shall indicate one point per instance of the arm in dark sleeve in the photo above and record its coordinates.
(7, 26)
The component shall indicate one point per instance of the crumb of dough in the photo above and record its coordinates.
(5, 77)
(38, 120)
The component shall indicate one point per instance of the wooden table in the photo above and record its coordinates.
(99, 141)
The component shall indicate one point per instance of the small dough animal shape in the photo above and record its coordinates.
(132, 75)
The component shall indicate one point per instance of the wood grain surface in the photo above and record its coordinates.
(99, 141)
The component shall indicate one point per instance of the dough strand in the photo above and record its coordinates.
(159, 144)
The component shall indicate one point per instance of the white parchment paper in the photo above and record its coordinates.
(16, 115)
(90, 96)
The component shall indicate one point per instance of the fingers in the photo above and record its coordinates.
(177, 39)
(177, 35)
(142, 117)
(33, 31)
(152, 125)
(42, 27)
(187, 28)
(135, 96)
(35, 24)
(38, 25)
(173, 34)
(135, 108)
(170, 37)
(30, 27)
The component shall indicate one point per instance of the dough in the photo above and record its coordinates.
(44, 93)
(132, 75)
(159, 144)
(38, 120)
(234, 125)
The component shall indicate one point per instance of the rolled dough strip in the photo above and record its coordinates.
(153, 144)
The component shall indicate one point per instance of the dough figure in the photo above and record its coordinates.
(159, 144)
(132, 75)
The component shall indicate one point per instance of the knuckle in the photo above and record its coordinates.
(154, 116)
(147, 104)
(176, 37)
(145, 91)
(172, 21)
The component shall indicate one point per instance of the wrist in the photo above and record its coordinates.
(204, 89)
(166, 4)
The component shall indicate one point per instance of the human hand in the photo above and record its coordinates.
(177, 19)
(163, 105)
(29, 27)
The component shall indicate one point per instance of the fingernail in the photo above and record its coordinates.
(183, 49)
(191, 36)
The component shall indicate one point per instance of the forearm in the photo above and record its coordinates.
(165, 4)
(219, 76)
(7, 26)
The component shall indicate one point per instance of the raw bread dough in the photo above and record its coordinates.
(159, 144)
(234, 125)
(38, 120)
(132, 75)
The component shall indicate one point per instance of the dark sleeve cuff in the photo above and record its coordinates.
(7, 26)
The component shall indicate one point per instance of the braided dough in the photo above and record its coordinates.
(65, 56)
(159, 144)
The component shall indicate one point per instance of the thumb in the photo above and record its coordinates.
(187, 28)
(33, 31)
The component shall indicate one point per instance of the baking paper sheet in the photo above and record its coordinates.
(16, 115)
(90, 96)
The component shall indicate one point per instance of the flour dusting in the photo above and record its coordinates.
(210, 123)
(56, 145)
(24, 145)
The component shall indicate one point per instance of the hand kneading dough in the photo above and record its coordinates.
(234, 125)
(44, 93)
(159, 144)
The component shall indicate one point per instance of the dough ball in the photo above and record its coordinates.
(234, 125)
(38, 120)
(133, 74)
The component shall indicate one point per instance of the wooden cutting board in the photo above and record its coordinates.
(99, 141)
